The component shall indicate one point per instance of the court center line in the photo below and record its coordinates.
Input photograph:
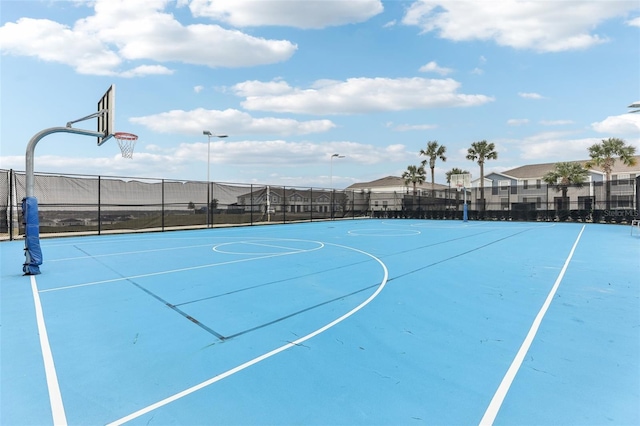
(498, 398)
(260, 358)
(55, 397)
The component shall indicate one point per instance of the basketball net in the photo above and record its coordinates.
(126, 141)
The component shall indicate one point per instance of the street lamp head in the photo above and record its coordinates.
(208, 133)
(337, 155)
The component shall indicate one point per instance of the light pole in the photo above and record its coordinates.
(208, 134)
(331, 169)
(331, 178)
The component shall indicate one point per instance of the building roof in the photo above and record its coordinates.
(392, 181)
(539, 170)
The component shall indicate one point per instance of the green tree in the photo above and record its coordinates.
(480, 152)
(433, 152)
(565, 174)
(414, 175)
(604, 155)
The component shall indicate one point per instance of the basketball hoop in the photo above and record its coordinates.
(126, 141)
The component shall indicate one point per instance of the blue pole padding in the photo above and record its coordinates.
(464, 213)
(32, 251)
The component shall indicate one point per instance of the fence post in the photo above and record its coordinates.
(99, 205)
(162, 217)
(14, 223)
(284, 204)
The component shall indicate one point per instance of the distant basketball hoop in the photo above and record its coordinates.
(126, 141)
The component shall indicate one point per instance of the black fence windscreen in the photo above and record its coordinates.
(97, 204)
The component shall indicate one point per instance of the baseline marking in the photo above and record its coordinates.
(498, 398)
(260, 358)
(55, 397)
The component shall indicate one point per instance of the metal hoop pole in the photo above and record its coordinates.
(31, 147)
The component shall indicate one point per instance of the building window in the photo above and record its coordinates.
(504, 203)
(504, 185)
(525, 184)
(538, 184)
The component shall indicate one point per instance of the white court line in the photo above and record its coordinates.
(172, 271)
(263, 243)
(55, 397)
(498, 398)
(127, 252)
(264, 356)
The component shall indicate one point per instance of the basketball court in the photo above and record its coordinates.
(337, 322)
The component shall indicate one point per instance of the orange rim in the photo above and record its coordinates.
(125, 136)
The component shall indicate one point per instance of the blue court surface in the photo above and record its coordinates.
(358, 322)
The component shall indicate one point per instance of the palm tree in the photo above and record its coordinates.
(482, 151)
(433, 152)
(565, 174)
(414, 175)
(604, 155)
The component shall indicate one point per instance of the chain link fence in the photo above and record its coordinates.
(101, 204)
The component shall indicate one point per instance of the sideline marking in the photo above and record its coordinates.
(55, 397)
(256, 360)
(498, 398)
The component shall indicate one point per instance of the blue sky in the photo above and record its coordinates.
(293, 82)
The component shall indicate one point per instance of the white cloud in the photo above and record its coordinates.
(51, 41)
(230, 121)
(530, 95)
(236, 160)
(143, 70)
(517, 121)
(299, 14)
(411, 127)
(122, 30)
(198, 89)
(634, 22)
(555, 122)
(356, 95)
(544, 26)
(434, 67)
(557, 145)
(294, 154)
(625, 124)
